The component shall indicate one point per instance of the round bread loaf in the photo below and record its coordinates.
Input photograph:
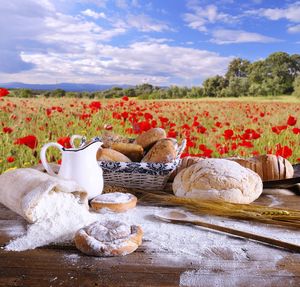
(107, 154)
(163, 151)
(150, 137)
(218, 179)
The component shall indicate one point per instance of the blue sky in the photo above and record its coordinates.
(162, 42)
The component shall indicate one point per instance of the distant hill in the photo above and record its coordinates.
(69, 87)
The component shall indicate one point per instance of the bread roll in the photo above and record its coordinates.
(108, 138)
(163, 151)
(150, 137)
(110, 238)
(269, 166)
(107, 154)
(115, 201)
(218, 179)
(133, 151)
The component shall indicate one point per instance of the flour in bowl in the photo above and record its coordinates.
(59, 215)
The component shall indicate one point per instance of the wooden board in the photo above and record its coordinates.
(262, 265)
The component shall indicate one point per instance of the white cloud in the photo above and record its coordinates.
(145, 23)
(157, 62)
(93, 14)
(201, 16)
(294, 29)
(227, 36)
(291, 13)
(122, 4)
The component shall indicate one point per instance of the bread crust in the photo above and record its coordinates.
(218, 179)
(150, 137)
(133, 151)
(97, 204)
(121, 246)
(107, 154)
(163, 151)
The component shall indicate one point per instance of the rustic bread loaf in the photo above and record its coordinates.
(163, 151)
(107, 154)
(269, 166)
(150, 137)
(218, 179)
(134, 151)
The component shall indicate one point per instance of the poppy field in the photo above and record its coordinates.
(212, 128)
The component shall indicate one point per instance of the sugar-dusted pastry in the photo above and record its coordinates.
(108, 138)
(114, 201)
(133, 151)
(108, 154)
(110, 238)
(163, 151)
(218, 179)
(150, 137)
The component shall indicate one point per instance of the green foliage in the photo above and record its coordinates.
(297, 87)
(213, 86)
(58, 93)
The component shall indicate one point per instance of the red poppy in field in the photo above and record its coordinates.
(291, 121)
(228, 134)
(7, 130)
(250, 134)
(201, 129)
(148, 116)
(172, 134)
(245, 143)
(10, 159)
(124, 115)
(125, 98)
(30, 141)
(65, 142)
(95, 105)
(278, 129)
(48, 112)
(3, 92)
(283, 151)
(218, 124)
(108, 127)
(296, 131)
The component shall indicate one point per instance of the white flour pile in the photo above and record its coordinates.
(60, 216)
(114, 197)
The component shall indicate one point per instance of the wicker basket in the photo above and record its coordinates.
(141, 175)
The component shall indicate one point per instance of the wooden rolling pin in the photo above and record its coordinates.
(268, 166)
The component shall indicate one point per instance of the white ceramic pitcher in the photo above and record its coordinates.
(80, 165)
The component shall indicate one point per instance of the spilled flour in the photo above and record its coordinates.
(59, 215)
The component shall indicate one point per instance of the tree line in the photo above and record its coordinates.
(278, 74)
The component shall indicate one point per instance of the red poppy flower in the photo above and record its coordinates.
(228, 134)
(172, 134)
(125, 98)
(65, 142)
(7, 130)
(30, 141)
(283, 151)
(3, 92)
(291, 121)
(296, 131)
(278, 129)
(10, 159)
(95, 105)
(201, 129)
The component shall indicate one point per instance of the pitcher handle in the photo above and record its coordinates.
(45, 164)
(74, 137)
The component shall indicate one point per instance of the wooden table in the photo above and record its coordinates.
(60, 266)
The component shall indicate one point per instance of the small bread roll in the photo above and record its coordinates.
(133, 151)
(114, 201)
(150, 137)
(163, 151)
(107, 154)
(110, 238)
(218, 179)
(108, 138)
